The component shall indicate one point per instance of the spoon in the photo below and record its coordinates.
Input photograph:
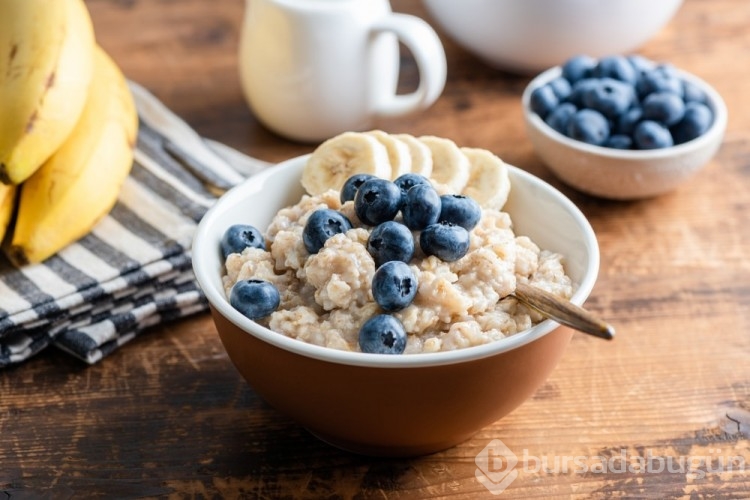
(563, 311)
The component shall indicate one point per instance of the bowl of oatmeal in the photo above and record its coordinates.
(450, 381)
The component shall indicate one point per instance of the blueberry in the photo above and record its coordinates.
(589, 126)
(577, 68)
(626, 122)
(618, 141)
(692, 93)
(447, 242)
(610, 97)
(662, 78)
(382, 334)
(561, 88)
(421, 207)
(394, 286)
(408, 181)
(581, 88)
(695, 122)
(321, 225)
(560, 116)
(459, 210)
(652, 135)
(640, 64)
(239, 237)
(616, 67)
(389, 241)
(376, 201)
(351, 185)
(254, 298)
(543, 100)
(665, 107)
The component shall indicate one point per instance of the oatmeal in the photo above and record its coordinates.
(326, 297)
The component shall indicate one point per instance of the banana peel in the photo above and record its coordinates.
(79, 184)
(7, 206)
(46, 67)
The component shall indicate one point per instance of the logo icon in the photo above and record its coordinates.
(496, 466)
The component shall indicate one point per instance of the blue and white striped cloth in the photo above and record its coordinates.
(134, 269)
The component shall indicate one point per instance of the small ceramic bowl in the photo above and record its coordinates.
(393, 405)
(623, 174)
(528, 36)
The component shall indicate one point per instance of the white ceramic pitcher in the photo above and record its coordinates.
(311, 69)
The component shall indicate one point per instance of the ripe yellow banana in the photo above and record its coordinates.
(80, 183)
(7, 203)
(46, 64)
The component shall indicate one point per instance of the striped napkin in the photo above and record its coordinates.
(134, 269)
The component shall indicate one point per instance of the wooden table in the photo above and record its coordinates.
(168, 415)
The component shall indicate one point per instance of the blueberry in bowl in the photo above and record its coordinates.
(630, 127)
(394, 287)
(390, 241)
(382, 334)
(241, 236)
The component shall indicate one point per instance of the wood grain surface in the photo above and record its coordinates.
(168, 415)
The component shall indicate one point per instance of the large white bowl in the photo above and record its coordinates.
(393, 405)
(530, 35)
(623, 174)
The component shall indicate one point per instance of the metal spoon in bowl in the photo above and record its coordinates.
(563, 311)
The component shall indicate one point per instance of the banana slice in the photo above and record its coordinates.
(489, 184)
(450, 167)
(421, 156)
(342, 156)
(398, 152)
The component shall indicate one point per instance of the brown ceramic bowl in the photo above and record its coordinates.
(393, 405)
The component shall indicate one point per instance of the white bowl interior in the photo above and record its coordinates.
(538, 210)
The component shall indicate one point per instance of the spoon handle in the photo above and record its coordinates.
(563, 311)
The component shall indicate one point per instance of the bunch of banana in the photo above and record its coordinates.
(474, 172)
(67, 127)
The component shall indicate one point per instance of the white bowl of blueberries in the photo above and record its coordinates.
(623, 127)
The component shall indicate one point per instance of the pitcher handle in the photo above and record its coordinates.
(428, 52)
